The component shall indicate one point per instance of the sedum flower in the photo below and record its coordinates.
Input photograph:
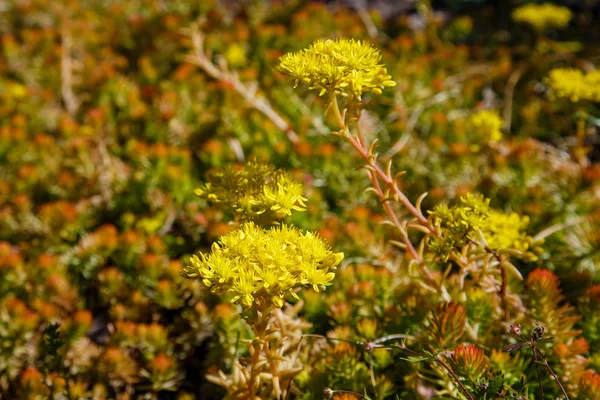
(342, 66)
(459, 224)
(543, 16)
(252, 262)
(487, 124)
(473, 216)
(255, 190)
(507, 231)
(574, 85)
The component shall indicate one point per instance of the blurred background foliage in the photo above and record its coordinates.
(107, 125)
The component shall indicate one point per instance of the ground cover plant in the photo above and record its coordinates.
(299, 200)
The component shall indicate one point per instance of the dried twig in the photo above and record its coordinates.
(557, 227)
(509, 92)
(66, 71)
(365, 17)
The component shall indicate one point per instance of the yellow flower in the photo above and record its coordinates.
(254, 190)
(486, 124)
(254, 262)
(507, 231)
(343, 66)
(543, 16)
(459, 223)
(574, 85)
(463, 222)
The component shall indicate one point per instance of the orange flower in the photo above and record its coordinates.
(543, 282)
(589, 386)
(161, 363)
(470, 360)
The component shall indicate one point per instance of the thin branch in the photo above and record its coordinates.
(456, 379)
(66, 71)
(558, 227)
(509, 91)
(387, 180)
(545, 363)
(446, 367)
(537, 369)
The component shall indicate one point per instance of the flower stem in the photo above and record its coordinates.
(545, 363)
(259, 327)
(456, 379)
(363, 151)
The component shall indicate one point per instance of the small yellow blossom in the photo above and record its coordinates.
(487, 124)
(343, 66)
(236, 56)
(254, 190)
(464, 222)
(507, 231)
(459, 224)
(574, 85)
(543, 16)
(504, 230)
(254, 262)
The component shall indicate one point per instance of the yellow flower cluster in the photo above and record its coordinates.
(254, 262)
(543, 16)
(507, 231)
(343, 66)
(459, 223)
(254, 190)
(574, 84)
(486, 123)
(463, 222)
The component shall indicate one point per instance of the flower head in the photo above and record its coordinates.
(343, 66)
(507, 231)
(447, 323)
(470, 360)
(486, 124)
(254, 262)
(574, 85)
(589, 385)
(473, 216)
(254, 190)
(459, 223)
(543, 16)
